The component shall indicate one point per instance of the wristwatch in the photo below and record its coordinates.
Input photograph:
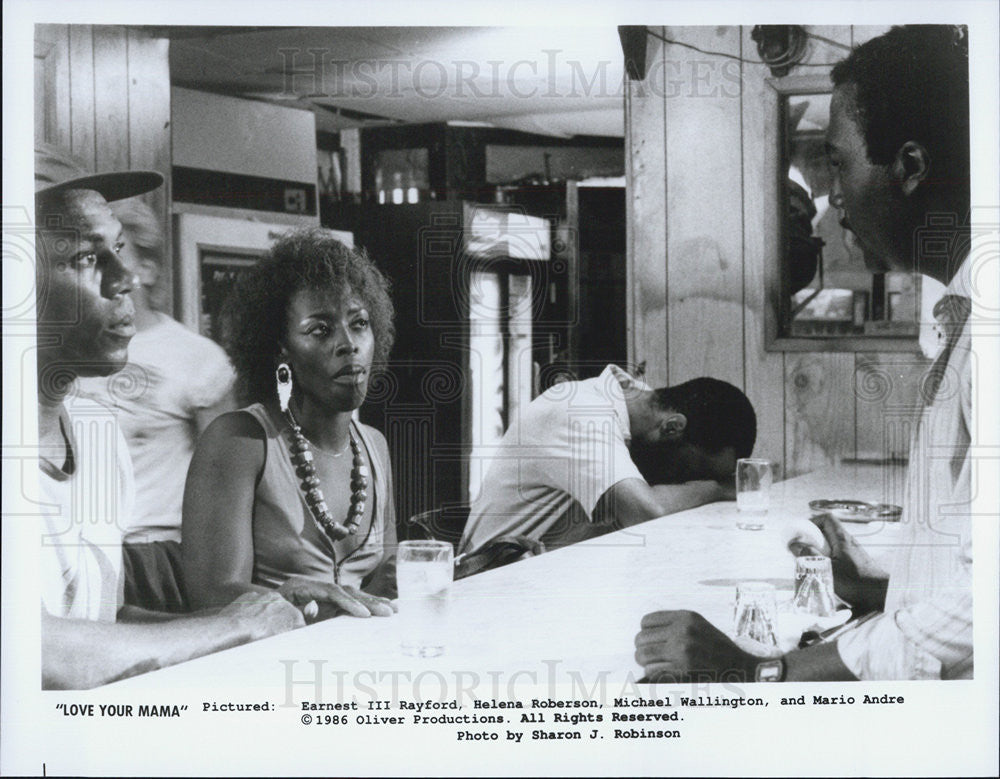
(770, 671)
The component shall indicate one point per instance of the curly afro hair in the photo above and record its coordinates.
(254, 317)
(912, 84)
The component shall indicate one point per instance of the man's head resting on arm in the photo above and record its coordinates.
(691, 431)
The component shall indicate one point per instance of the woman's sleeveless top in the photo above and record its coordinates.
(287, 540)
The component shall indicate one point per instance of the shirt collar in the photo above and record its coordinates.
(956, 303)
(620, 386)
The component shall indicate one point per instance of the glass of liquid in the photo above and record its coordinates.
(424, 573)
(755, 613)
(753, 492)
(814, 587)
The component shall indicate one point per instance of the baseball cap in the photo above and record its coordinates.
(56, 170)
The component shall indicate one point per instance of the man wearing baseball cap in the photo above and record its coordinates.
(85, 322)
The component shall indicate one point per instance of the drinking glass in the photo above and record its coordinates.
(814, 586)
(753, 492)
(755, 613)
(424, 572)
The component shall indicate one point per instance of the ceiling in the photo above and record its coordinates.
(558, 81)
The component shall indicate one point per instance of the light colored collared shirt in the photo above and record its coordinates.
(171, 375)
(926, 629)
(564, 451)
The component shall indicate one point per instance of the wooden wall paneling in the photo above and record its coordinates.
(81, 93)
(111, 98)
(43, 102)
(52, 123)
(819, 410)
(887, 390)
(765, 379)
(704, 206)
(149, 135)
(646, 220)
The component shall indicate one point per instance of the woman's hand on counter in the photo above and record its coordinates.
(321, 600)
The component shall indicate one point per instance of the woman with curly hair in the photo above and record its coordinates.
(290, 492)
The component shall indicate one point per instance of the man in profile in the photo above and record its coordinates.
(588, 457)
(174, 384)
(898, 143)
(85, 323)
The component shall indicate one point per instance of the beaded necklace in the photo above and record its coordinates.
(302, 459)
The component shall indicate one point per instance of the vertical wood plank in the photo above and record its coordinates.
(819, 410)
(43, 98)
(81, 92)
(704, 206)
(111, 98)
(646, 221)
(149, 136)
(765, 380)
(60, 131)
(888, 402)
(52, 95)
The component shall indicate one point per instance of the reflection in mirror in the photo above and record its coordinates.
(828, 289)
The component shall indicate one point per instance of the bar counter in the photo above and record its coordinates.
(570, 613)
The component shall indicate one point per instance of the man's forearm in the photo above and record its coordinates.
(632, 501)
(679, 497)
(79, 654)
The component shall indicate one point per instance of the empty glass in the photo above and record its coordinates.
(755, 613)
(814, 587)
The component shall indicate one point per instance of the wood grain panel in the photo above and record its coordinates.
(43, 101)
(149, 134)
(704, 206)
(52, 123)
(819, 411)
(646, 273)
(887, 401)
(765, 380)
(111, 88)
(81, 93)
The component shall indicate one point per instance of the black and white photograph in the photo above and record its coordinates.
(557, 389)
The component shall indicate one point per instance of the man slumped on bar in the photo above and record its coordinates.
(85, 323)
(588, 457)
(898, 144)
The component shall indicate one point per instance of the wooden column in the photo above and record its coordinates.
(646, 217)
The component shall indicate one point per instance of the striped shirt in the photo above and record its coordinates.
(926, 629)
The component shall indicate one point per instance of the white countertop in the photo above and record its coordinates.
(574, 610)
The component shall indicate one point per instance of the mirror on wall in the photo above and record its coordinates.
(827, 291)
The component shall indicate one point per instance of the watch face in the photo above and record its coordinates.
(770, 671)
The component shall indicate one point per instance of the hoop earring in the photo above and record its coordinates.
(283, 376)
